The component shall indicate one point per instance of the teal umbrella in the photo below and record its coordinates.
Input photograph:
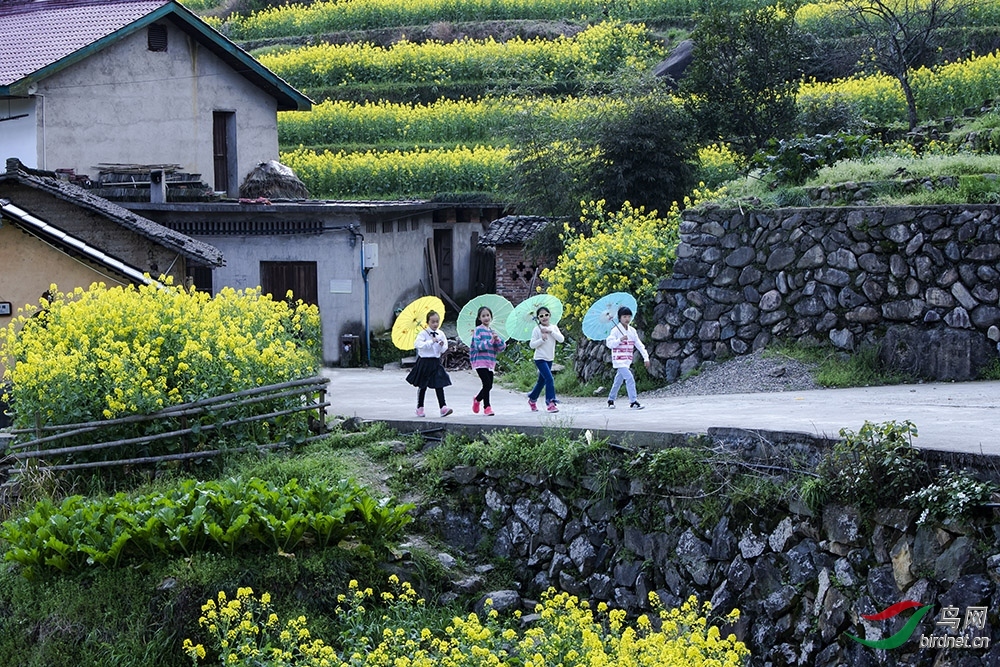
(522, 320)
(603, 315)
(501, 308)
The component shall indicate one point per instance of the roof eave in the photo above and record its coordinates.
(289, 99)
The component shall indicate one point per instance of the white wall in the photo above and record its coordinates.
(17, 137)
(127, 104)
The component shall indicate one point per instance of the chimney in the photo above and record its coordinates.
(157, 187)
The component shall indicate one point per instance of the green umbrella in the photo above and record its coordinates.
(501, 308)
(522, 321)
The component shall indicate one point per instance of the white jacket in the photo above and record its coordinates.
(624, 341)
(430, 345)
(545, 350)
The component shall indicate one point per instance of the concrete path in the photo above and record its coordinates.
(957, 417)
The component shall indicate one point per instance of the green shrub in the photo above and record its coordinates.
(793, 161)
(877, 466)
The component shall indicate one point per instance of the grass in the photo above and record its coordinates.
(887, 174)
(839, 369)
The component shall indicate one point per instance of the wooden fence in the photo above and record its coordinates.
(182, 421)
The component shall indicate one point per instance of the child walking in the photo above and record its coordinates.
(428, 371)
(543, 341)
(486, 344)
(624, 341)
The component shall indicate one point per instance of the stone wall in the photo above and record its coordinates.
(922, 283)
(801, 581)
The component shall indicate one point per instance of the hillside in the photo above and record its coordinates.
(402, 86)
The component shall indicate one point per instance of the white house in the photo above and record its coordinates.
(91, 82)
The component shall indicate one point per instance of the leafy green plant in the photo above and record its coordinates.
(954, 496)
(876, 466)
(224, 516)
(793, 161)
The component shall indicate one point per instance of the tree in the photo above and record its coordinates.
(642, 150)
(901, 35)
(741, 84)
(647, 156)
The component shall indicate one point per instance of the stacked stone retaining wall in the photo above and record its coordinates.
(925, 280)
(802, 581)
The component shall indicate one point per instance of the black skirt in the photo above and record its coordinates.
(428, 372)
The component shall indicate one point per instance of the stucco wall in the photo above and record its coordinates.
(108, 236)
(30, 266)
(17, 136)
(335, 260)
(127, 104)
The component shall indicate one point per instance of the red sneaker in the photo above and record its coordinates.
(533, 405)
(475, 406)
(488, 411)
(552, 407)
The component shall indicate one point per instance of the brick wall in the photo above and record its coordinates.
(516, 276)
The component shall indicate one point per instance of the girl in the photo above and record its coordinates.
(624, 341)
(543, 341)
(486, 344)
(428, 371)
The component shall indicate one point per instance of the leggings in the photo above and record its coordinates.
(423, 390)
(486, 376)
(544, 380)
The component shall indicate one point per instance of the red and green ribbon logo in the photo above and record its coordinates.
(900, 637)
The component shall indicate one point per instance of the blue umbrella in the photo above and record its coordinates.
(603, 315)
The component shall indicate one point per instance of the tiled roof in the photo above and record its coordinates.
(39, 37)
(199, 252)
(68, 242)
(36, 34)
(512, 229)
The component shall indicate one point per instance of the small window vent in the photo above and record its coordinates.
(156, 37)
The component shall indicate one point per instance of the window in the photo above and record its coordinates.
(371, 228)
(401, 225)
(156, 37)
(387, 226)
(277, 278)
(224, 151)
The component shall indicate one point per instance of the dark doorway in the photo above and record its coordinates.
(443, 251)
(277, 278)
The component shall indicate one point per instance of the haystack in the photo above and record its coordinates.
(273, 180)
